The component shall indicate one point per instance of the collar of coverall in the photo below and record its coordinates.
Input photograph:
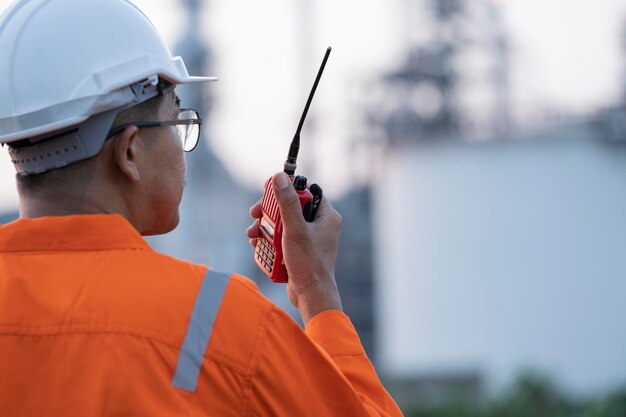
(71, 233)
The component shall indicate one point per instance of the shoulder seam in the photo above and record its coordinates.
(74, 250)
(54, 331)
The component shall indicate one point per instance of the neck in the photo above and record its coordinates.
(66, 204)
(33, 207)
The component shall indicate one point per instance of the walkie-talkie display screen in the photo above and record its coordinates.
(267, 227)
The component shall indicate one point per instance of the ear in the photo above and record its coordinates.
(125, 152)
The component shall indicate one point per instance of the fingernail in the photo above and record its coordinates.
(282, 181)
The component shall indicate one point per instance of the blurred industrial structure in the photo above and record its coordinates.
(509, 256)
(498, 247)
(453, 83)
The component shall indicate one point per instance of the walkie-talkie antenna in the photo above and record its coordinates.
(290, 163)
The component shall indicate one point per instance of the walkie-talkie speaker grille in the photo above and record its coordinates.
(269, 203)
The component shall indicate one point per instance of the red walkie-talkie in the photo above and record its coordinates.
(269, 249)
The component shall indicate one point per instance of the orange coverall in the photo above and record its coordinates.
(93, 322)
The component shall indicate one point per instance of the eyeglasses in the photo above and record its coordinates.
(188, 126)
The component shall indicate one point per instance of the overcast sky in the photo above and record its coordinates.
(565, 54)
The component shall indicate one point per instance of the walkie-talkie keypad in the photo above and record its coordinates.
(265, 253)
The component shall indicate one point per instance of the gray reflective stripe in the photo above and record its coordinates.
(199, 330)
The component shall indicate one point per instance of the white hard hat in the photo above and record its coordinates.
(64, 62)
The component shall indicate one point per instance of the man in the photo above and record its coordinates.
(92, 320)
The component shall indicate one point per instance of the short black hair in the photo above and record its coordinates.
(75, 175)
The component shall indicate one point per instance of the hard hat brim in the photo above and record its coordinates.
(192, 80)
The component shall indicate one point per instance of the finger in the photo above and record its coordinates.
(288, 201)
(253, 242)
(255, 210)
(253, 230)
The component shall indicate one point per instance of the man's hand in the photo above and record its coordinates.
(309, 250)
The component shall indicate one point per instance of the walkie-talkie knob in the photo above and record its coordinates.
(299, 183)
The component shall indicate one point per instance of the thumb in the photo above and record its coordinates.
(288, 200)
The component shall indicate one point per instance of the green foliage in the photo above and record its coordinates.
(613, 405)
(535, 396)
(531, 396)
